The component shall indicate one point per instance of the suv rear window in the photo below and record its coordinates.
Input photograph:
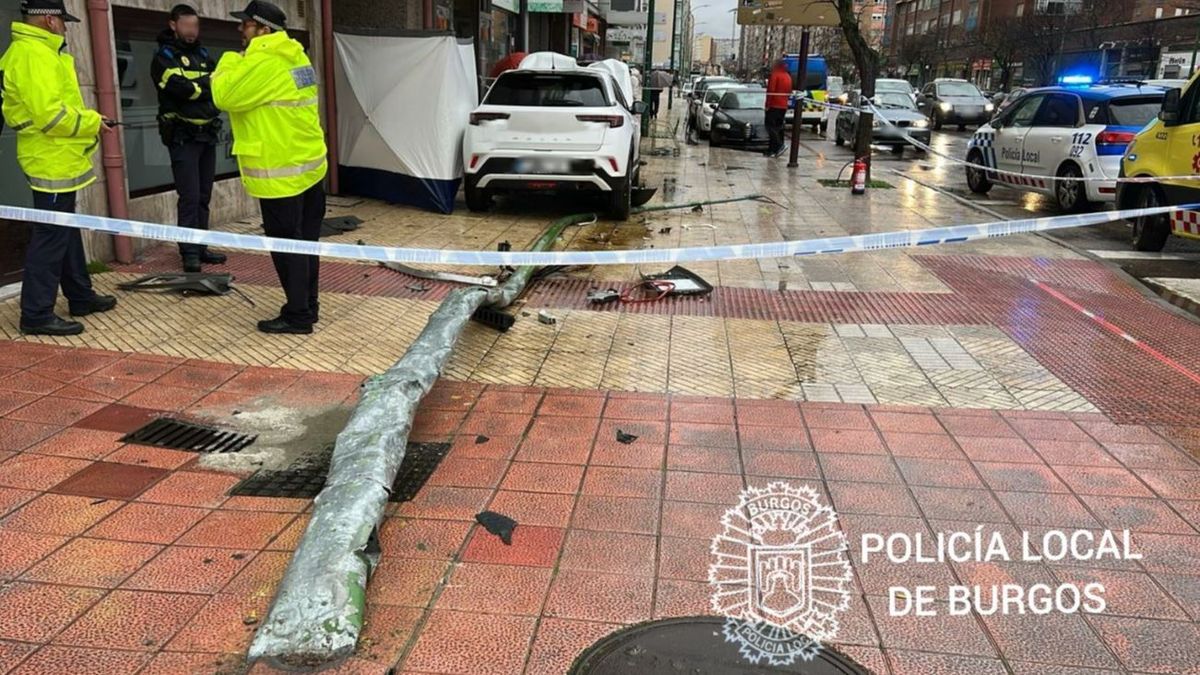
(546, 89)
(957, 89)
(1133, 111)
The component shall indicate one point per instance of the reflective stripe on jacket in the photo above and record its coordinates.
(56, 133)
(271, 96)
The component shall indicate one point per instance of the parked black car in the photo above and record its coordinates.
(740, 119)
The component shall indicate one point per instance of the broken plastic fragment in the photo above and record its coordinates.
(625, 438)
(498, 524)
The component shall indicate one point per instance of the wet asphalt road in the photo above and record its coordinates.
(1180, 258)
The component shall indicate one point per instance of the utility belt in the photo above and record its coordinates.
(174, 128)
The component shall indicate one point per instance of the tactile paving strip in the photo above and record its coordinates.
(336, 277)
(305, 478)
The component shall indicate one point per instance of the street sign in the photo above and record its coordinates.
(787, 13)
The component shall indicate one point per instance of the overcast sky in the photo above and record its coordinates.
(714, 18)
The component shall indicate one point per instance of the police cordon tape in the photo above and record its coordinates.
(779, 249)
(1001, 172)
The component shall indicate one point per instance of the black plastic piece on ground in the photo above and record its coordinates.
(603, 297)
(166, 432)
(199, 282)
(305, 478)
(331, 227)
(481, 439)
(493, 318)
(504, 246)
(498, 524)
(684, 281)
(694, 645)
(640, 196)
(625, 438)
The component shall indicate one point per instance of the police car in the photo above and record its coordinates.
(1068, 132)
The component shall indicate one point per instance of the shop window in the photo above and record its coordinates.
(147, 164)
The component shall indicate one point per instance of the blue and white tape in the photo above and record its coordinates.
(779, 249)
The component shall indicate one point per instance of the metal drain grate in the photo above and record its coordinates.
(305, 478)
(166, 432)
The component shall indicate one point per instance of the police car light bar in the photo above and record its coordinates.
(1075, 79)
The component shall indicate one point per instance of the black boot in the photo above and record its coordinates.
(280, 325)
(209, 258)
(98, 303)
(55, 326)
(191, 263)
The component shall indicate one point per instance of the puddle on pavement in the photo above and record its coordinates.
(285, 434)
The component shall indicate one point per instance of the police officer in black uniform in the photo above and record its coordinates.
(189, 125)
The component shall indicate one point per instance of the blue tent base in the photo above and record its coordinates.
(396, 188)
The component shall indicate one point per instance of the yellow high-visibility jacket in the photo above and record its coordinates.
(56, 133)
(271, 96)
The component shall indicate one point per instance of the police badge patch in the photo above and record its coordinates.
(304, 76)
(780, 574)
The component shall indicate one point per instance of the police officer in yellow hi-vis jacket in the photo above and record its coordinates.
(56, 138)
(270, 92)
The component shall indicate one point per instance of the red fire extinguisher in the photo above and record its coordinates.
(858, 182)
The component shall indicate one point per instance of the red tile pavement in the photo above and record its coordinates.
(155, 565)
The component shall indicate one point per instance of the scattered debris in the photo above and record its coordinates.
(682, 280)
(488, 281)
(481, 439)
(250, 620)
(238, 556)
(504, 246)
(664, 230)
(493, 318)
(603, 297)
(547, 318)
(625, 438)
(332, 227)
(417, 288)
(697, 209)
(498, 524)
(204, 283)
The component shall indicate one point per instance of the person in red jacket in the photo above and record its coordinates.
(779, 92)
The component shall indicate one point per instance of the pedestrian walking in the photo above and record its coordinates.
(188, 124)
(779, 92)
(660, 80)
(270, 92)
(56, 138)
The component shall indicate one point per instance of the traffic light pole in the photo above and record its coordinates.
(798, 85)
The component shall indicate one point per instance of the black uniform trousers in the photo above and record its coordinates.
(297, 217)
(193, 163)
(55, 257)
(776, 117)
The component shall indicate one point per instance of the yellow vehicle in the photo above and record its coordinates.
(1169, 148)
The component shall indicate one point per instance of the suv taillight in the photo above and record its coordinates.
(1115, 137)
(477, 117)
(613, 121)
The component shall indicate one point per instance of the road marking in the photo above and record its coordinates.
(1142, 255)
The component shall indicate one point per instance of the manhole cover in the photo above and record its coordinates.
(166, 432)
(691, 646)
(305, 478)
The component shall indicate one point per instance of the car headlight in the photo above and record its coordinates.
(989, 107)
(875, 123)
(946, 107)
(920, 124)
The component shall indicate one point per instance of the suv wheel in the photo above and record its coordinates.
(1150, 232)
(977, 178)
(937, 121)
(620, 200)
(478, 200)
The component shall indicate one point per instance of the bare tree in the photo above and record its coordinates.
(917, 51)
(866, 61)
(1039, 38)
(997, 40)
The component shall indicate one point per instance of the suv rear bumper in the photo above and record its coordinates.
(497, 174)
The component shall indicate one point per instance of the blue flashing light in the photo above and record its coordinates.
(1077, 80)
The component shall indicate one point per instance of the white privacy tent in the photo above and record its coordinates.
(402, 104)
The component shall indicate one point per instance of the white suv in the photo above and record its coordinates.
(552, 125)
